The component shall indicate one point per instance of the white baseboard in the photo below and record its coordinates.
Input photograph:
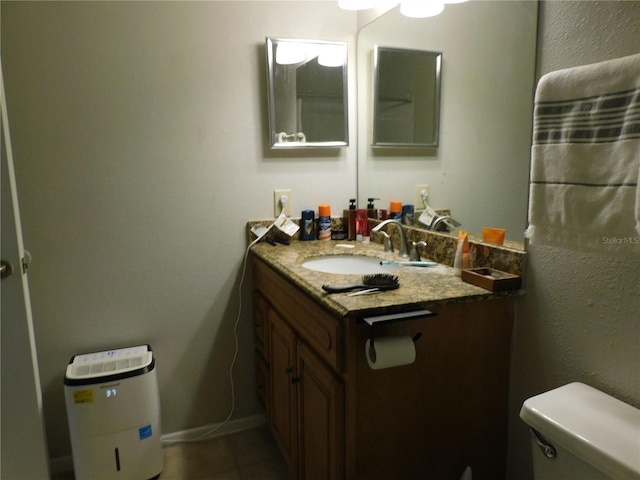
(217, 430)
(65, 464)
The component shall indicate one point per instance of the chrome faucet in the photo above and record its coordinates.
(403, 241)
(448, 220)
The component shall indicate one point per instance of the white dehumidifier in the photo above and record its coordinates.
(114, 414)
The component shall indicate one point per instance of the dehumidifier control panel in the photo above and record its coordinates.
(98, 365)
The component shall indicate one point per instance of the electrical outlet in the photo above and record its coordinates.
(419, 204)
(277, 204)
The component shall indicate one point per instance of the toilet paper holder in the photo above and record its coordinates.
(394, 317)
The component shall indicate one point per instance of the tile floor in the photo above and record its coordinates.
(250, 454)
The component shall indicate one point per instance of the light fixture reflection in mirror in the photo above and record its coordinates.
(331, 55)
(406, 97)
(307, 93)
(289, 53)
(408, 8)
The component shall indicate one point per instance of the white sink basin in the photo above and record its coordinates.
(345, 264)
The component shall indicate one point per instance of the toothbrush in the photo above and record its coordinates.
(409, 264)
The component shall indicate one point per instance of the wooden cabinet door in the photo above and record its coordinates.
(320, 419)
(260, 323)
(263, 391)
(282, 341)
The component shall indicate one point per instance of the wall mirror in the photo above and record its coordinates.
(406, 110)
(307, 83)
(480, 169)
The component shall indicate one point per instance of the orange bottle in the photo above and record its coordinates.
(395, 209)
(324, 222)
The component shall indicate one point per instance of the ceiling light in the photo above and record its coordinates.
(356, 4)
(421, 8)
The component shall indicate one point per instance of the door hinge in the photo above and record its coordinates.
(26, 261)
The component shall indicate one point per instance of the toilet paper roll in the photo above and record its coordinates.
(390, 352)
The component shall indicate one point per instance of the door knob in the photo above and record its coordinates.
(5, 269)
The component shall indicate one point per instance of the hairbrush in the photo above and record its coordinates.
(381, 281)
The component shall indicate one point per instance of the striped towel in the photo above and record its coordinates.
(586, 158)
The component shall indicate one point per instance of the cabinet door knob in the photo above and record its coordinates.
(288, 370)
(295, 380)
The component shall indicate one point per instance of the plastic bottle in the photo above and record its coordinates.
(395, 210)
(307, 221)
(324, 222)
(462, 258)
(372, 211)
(407, 214)
(457, 259)
(362, 222)
(349, 219)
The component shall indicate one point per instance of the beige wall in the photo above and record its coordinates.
(579, 318)
(139, 141)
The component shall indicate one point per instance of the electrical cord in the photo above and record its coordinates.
(208, 433)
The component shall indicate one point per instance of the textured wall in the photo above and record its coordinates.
(576, 33)
(579, 319)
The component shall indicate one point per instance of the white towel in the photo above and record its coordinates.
(585, 160)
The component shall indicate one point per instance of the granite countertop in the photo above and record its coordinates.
(420, 287)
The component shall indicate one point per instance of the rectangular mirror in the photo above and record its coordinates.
(406, 97)
(307, 82)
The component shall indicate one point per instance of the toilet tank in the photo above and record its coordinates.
(581, 433)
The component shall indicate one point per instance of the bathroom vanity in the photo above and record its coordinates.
(334, 417)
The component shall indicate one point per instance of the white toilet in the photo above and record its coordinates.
(580, 433)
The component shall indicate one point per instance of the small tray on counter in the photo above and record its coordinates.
(491, 279)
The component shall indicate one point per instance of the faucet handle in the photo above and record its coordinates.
(415, 253)
(388, 246)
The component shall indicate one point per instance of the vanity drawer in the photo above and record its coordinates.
(319, 329)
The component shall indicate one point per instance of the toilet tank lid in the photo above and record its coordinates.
(599, 429)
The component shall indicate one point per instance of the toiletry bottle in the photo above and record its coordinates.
(308, 223)
(461, 260)
(349, 219)
(407, 214)
(372, 211)
(324, 222)
(466, 256)
(457, 259)
(362, 222)
(395, 210)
